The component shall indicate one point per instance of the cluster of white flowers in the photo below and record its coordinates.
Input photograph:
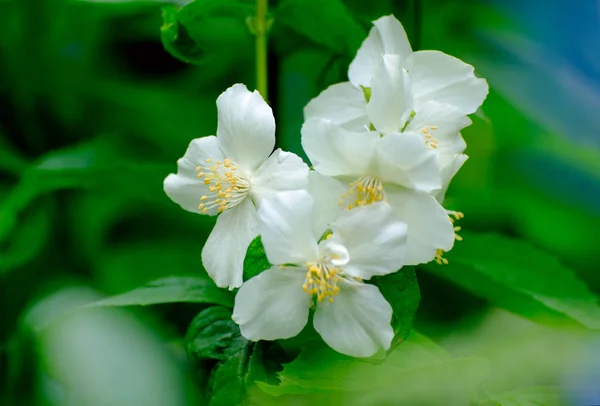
(384, 147)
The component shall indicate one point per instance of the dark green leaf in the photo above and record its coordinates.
(256, 261)
(28, 238)
(172, 290)
(176, 39)
(213, 335)
(205, 28)
(521, 278)
(401, 290)
(534, 396)
(326, 22)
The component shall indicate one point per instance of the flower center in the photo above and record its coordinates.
(227, 185)
(430, 141)
(363, 191)
(322, 281)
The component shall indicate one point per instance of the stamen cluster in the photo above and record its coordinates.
(226, 185)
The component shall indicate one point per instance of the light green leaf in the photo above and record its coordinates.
(413, 363)
(534, 396)
(337, 30)
(256, 260)
(172, 290)
(521, 278)
(401, 290)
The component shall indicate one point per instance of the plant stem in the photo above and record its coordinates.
(260, 25)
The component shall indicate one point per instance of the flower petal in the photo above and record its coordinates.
(286, 227)
(281, 171)
(335, 151)
(326, 192)
(246, 127)
(429, 227)
(185, 188)
(224, 252)
(357, 323)
(405, 160)
(375, 239)
(447, 122)
(272, 305)
(448, 168)
(391, 99)
(445, 79)
(341, 103)
(386, 37)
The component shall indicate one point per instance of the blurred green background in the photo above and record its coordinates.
(94, 112)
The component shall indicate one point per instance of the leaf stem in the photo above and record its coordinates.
(260, 25)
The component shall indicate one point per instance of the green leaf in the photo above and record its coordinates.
(521, 278)
(177, 40)
(534, 396)
(213, 335)
(205, 28)
(171, 290)
(337, 30)
(401, 290)
(256, 260)
(418, 362)
(28, 239)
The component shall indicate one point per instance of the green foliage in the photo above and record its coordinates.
(338, 29)
(171, 290)
(202, 29)
(256, 260)
(521, 278)
(401, 290)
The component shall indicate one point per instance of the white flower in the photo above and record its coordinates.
(397, 168)
(232, 174)
(393, 89)
(434, 75)
(352, 317)
(388, 107)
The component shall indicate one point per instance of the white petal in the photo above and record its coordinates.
(326, 192)
(445, 79)
(272, 305)
(357, 323)
(281, 171)
(341, 103)
(386, 37)
(374, 237)
(246, 127)
(286, 227)
(185, 188)
(405, 160)
(391, 98)
(335, 151)
(447, 172)
(224, 252)
(429, 227)
(447, 121)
